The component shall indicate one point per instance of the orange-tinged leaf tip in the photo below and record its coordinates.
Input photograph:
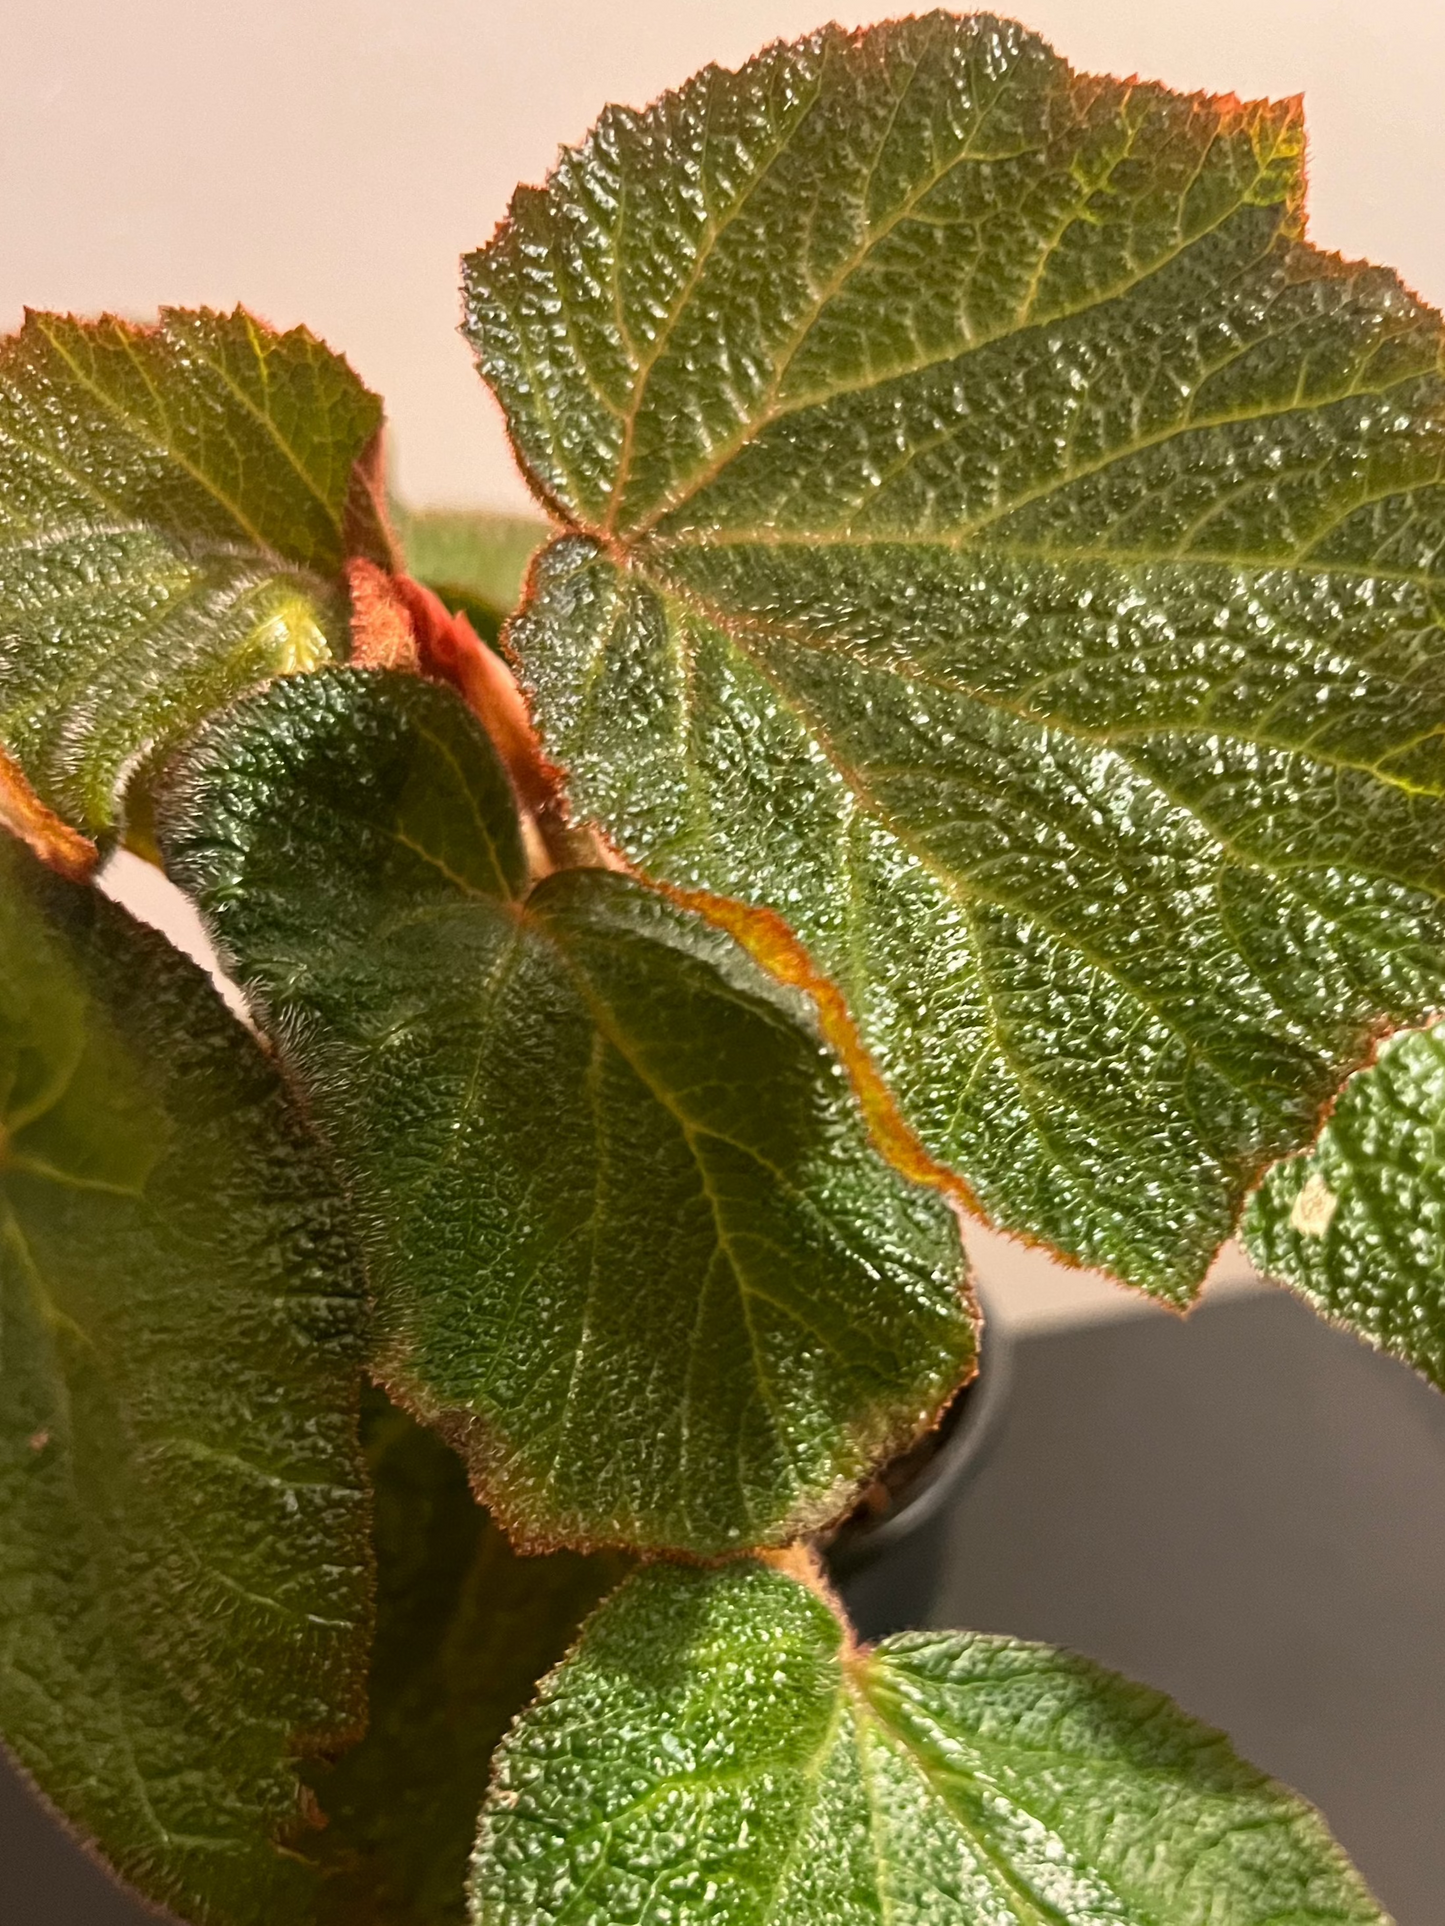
(450, 649)
(769, 941)
(382, 636)
(22, 812)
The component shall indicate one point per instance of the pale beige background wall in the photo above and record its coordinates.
(326, 161)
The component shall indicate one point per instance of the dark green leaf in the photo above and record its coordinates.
(1007, 549)
(176, 506)
(183, 1549)
(1357, 1225)
(711, 1755)
(475, 562)
(629, 1237)
(465, 1628)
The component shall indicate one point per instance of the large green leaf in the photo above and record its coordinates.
(475, 562)
(465, 1628)
(712, 1755)
(629, 1237)
(1006, 548)
(176, 507)
(1357, 1225)
(183, 1538)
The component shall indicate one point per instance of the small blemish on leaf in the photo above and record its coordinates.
(1313, 1208)
(291, 640)
(39, 1440)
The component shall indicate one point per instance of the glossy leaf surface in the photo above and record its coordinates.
(176, 505)
(475, 562)
(629, 1236)
(184, 1574)
(465, 1629)
(1357, 1225)
(1007, 549)
(711, 1754)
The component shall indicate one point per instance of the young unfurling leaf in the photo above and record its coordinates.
(475, 562)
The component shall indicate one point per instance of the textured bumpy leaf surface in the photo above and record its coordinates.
(1357, 1225)
(476, 563)
(183, 1541)
(628, 1233)
(465, 1628)
(176, 504)
(710, 1754)
(1006, 548)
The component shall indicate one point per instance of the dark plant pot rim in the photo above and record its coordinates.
(967, 1431)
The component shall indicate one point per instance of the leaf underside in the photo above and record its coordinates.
(176, 505)
(630, 1241)
(465, 1628)
(999, 543)
(1357, 1225)
(708, 1754)
(184, 1571)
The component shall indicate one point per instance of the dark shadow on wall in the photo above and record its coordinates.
(1246, 1509)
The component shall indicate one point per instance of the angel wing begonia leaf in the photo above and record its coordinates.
(1001, 544)
(631, 1241)
(712, 1754)
(184, 1570)
(176, 506)
(1357, 1224)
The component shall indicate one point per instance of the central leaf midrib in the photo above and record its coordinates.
(699, 265)
(964, 890)
(811, 1778)
(819, 300)
(964, 540)
(738, 625)
(691, 1130)
(1040, 1102)
(692, 1133)
(606, 1029)
(36, 1167)
(444, 752)
(511, 954)
(530, 923)
(272, 428)
(809, 1771)
(595, 1220)
(145, 433)
(768, 413)
(898, 1742)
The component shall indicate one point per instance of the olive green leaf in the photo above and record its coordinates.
(1002, 545)
(184, 1573)
(176, 507)
(711, 1755)
(1357, 1225)
(475, 562)
(465, 1628)
(630, 1240)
